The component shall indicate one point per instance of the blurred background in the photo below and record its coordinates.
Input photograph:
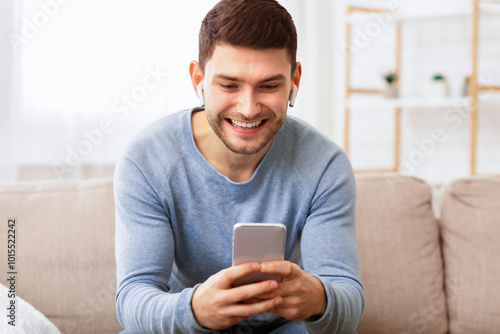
(78, 79)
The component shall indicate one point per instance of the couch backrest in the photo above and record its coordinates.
(470, 229)
(65, 251)
(400, 256)
(66, 265)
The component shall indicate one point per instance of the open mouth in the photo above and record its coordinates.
(245, 125)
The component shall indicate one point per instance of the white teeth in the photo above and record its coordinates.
(246, 125)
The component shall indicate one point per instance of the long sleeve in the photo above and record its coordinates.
(175, 215)
(329, 249)
(145, 256)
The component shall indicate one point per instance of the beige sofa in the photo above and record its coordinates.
(421, 274)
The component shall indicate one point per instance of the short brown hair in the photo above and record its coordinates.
(256, 24)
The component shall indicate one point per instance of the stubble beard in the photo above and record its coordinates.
(215, 124)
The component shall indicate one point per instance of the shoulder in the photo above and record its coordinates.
(319, 164)
(160, 144)
(161, 134)
(312, 157)
(301, 142)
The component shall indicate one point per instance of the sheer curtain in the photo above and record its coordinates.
(85, 76)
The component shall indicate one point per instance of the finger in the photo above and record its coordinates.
(231, 274)
(268, 295)
(249, 291)
(253, 300)
(264, 296)
(283, 268)
(290, 309)
(249, 310)
(260, 298)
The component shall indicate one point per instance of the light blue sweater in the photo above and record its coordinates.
(175, 215)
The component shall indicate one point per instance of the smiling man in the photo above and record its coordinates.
(187, 179)
(246, 102)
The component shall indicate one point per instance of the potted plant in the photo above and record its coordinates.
(439, 86)
(391, 89)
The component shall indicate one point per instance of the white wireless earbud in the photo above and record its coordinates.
(199, 88)
(293, 96)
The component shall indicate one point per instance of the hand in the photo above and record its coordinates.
(217, 305)
(303, 295)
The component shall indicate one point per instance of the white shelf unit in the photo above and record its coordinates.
(358, 14)
(386, 103)
(372, 98)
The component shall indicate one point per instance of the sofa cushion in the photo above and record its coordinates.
(24, 317)
(400, 257)
(65, 260)
(470, 224)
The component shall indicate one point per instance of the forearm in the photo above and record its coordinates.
(144, 248)
(345, 305)
(143, 308)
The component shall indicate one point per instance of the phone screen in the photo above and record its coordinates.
(258, 242)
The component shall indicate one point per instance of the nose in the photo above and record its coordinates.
(248, 104)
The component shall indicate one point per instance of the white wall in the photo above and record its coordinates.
(313, 20)
(429, 46)
(7, 135)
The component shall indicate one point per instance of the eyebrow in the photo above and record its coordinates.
(276, 77)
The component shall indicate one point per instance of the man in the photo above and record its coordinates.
(188, 178)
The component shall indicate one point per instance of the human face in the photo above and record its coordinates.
(246, 94)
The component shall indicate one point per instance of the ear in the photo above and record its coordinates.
(197, 80)
(295, 83)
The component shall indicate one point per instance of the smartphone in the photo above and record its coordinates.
(258, 242)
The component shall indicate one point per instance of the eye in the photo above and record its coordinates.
(228, 86)
(270, 87)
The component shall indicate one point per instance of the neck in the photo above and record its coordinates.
(237, 167)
